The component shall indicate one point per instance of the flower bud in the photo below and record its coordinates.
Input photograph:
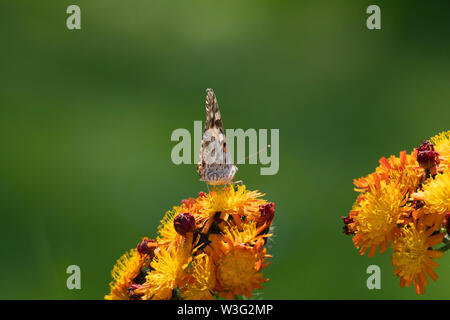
(347, 220)
(267, 213)
(147, 246)
(427, 156)
(446, 222)
(184, 223)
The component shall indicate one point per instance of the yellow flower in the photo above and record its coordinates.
(228, 202)
(436, 193)
(375, 216)
(237, 265)
(124, 272)
(169, 270)
(441, 143)
(412, 257)
(203, 280)
(436, 196)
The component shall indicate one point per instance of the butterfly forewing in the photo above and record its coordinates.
(215, 165)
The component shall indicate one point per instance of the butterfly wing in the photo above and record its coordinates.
(213, 118)
(213, 133)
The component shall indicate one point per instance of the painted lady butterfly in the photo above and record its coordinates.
(215, 166)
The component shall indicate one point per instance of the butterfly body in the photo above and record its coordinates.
(218, 174)
(215, 166)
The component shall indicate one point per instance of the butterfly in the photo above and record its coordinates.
(214, 166)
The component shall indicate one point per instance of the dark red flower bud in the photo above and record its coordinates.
(267, 213)
(446, 222)
(347, 219)
(147, 246)
(184, 223)
(427, 145)
(427, 156)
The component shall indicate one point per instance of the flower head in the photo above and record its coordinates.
(227, 202)
(238, 265)
(124, 273)
(375, 217)
(201, 284)
(413, 258)
(436, 193)
(168, 270)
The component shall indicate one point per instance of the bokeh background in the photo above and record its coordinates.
(86, 118)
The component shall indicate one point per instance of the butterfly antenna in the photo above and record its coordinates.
(256, 153)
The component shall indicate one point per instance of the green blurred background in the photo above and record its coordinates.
(86, 118)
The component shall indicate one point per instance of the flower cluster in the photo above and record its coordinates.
(208, 247)
(405, 203)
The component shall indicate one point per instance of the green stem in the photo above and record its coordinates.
(444, 248)
(446, 245)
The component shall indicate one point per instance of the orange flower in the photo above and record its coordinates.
(404, 171)
(238, 266)
(412, 257)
